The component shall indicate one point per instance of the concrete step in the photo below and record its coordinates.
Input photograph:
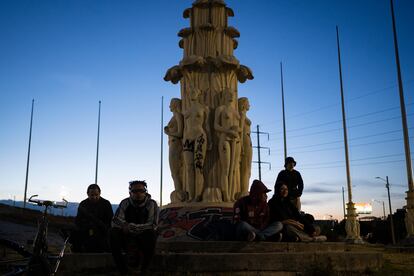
(241, 258)
(256, 247)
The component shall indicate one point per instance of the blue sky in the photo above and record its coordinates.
(68, 55)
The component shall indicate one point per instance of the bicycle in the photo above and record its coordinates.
(38, 261)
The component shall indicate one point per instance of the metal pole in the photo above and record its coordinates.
(343, 201)
(162, 119)
(348, 174)
(391, 219)
(28, 156)
(383, 209)
(97, 144)
(283, 110)
(402, 104)
(258, 153)
(409, 221)
(351, 224)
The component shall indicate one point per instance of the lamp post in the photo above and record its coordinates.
(387, 186)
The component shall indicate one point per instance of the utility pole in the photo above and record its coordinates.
(162, 144)
(259, 162)
(389, 204)
(387, 185)
(343, 201)
(283, 111)
(97, 144)
(28, 157)
(409, 222)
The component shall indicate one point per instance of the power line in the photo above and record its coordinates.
(357, 145)
(363, 164)
(356, 138)
(352, 126)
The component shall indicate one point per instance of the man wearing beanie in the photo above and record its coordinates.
(293, 180)
(251, 215)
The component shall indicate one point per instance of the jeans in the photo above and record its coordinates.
(243, 229)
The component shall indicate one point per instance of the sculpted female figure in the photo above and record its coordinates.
(195, 145)
(226, 123)
(174, 130)
(246, 142)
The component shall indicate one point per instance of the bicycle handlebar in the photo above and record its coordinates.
(49, 203)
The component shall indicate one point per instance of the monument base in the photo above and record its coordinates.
(196, 221)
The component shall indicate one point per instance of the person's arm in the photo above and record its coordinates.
(150, 224)
(237, 212)
(300, 184)
(118, 221)
(281, 177)
(294, 223)
(109, 213)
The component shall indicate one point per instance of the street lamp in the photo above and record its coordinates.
(387, 185)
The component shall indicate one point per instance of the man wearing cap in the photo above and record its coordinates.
(251, 215)
(293, 181)
(134, 227)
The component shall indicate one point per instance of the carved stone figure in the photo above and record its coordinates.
(174, 130)
(246, 146)
(226, 124)
(195, 141)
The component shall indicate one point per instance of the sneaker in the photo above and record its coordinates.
(251, 236)
(319, 239)
(279, 237)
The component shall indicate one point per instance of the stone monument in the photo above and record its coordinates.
(209, 133)
(210, 151)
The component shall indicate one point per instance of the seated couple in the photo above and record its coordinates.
(278, 220)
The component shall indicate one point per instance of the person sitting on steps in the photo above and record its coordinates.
(251, 215)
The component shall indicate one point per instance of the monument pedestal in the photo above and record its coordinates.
(195, 221)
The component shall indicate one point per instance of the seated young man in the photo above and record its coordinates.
(251, 215)
(134, 228)
(296, 227)
(93, 221)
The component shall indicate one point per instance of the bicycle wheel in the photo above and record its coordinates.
(13, 258)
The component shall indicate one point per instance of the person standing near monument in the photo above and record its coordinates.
(134, 227)
(293, 180)
(92, 221)
(195, 143)
(251, 215)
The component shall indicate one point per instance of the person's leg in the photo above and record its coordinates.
(147, 242)
(117, 243)
(270, 230)
(245, 231)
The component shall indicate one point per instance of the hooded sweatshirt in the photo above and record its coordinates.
(252, 209)
(139, 216)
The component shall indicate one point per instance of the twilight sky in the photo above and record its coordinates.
(68, 55)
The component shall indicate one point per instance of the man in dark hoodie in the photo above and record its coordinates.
(93, 221)
(134, 228)
(251, 215)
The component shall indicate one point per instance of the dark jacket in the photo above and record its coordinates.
(282, 209)
(251, 208)
(293, 181)
(94, 217)
(139, 216)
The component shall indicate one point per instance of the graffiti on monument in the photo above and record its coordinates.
(200, 224)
